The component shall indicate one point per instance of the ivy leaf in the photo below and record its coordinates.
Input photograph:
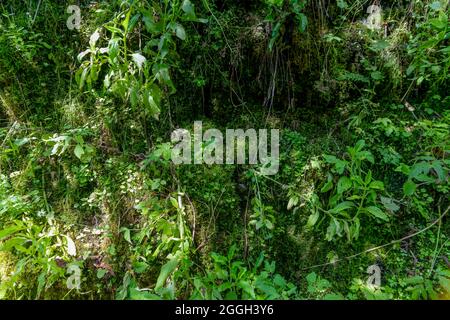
(378, 213)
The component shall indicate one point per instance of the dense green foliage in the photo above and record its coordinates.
(86, 179)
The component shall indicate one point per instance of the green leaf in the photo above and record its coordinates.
(247, 288)
(342, 4)
(151, 105)
(331, 230)
(101, 273)
(437, 167)
(360, 145)
(378, 185)
(333, 296)
(312, 220)
(126, 234)
(327, 187)
(330, 159)
(409, 188)
(377, 75)
(342, 206)
(343, 185)
(9, 231)
(311, 278)
(378, 213)
(165, 272)
(410, 70)
(303, 22)
(79, 151)
(180, 32)
(340, 166)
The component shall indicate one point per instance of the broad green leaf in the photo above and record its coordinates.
(9, 231)
(245, 285)
(378, 185)
(327, 187)
(437, 167)
(340, 166)
(114, 29)
(311, 278)
(343, 185)
(368, 177)
(180, 32)
(378, 213)
(331, 230)
(360, 145)
(409, 188)
(377, 75)
(342, 206)
(303, 22)
(79, 151)
(312, 220)
(333, 296)
(165, 272)
(329, 159)
(101, 273)
(126, 234)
